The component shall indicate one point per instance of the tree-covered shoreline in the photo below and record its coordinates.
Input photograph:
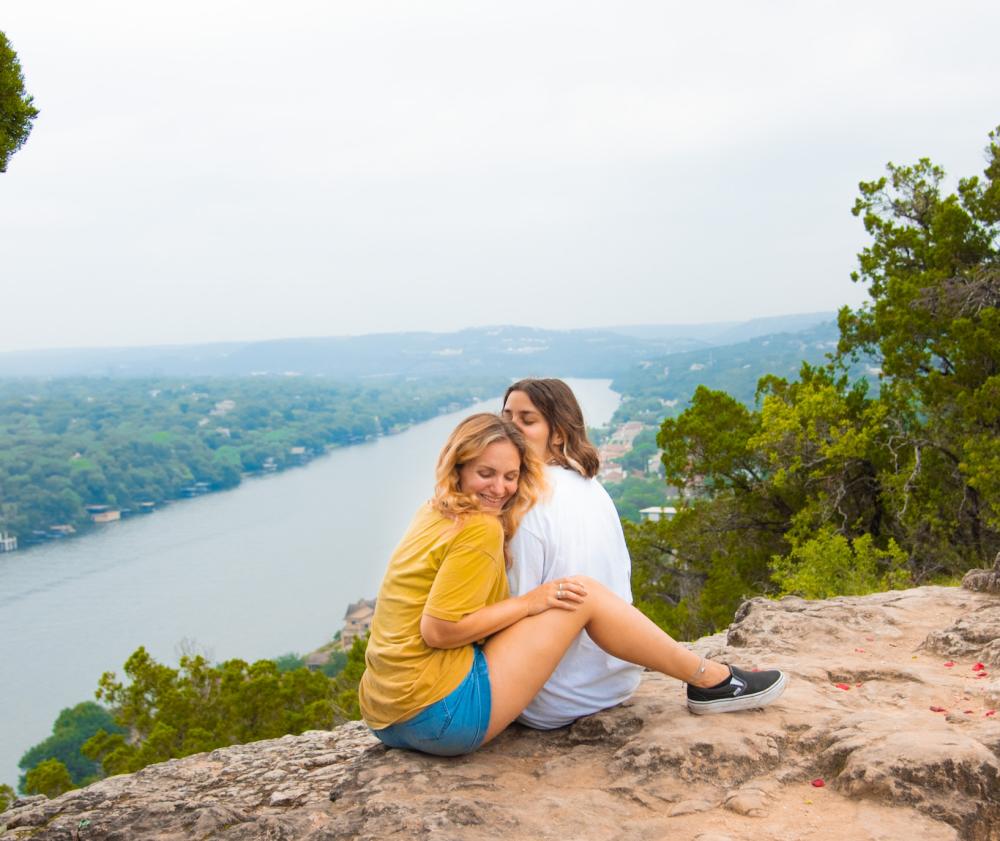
(130, 445)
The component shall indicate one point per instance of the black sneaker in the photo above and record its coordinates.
(740, 691)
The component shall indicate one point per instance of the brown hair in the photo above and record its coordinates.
(468, 441)
(556, 403)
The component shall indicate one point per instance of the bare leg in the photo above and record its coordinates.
(522, 657)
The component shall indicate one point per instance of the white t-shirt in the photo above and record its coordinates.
(575, 531)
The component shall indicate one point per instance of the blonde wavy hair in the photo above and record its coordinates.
(468, 441)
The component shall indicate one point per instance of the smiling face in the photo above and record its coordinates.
(492, 476)
(532, 424)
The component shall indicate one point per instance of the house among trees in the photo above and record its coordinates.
(316, 660)
(62, 529)
(655, 513)
(357, 621)
(103, 513)
(626, 434)
(611, 472)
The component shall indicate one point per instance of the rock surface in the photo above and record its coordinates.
(984, 580)
(904, 745)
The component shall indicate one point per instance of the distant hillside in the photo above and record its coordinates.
(694, 336)
(660, 387)
(506, 351)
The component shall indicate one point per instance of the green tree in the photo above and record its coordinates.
(822, 444)
(345, 685)
(733, 520)
(49, 778)
(199, 706)
(822, 488)
(663, 586)
(831, 565)
(290, 661)
(7, 797)
(17, 111)
(634, 493)
(73, 727)
(336, 664)
(933, 322)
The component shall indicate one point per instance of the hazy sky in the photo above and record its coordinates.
(234, 169)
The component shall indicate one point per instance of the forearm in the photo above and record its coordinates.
(440, 633)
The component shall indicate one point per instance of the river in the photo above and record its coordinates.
(258, 571)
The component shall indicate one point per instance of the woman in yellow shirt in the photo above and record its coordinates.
(452, 659)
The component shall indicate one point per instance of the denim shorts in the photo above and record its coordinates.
(454, 725)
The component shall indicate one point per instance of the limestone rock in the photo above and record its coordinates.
(903, 743)
(973, 636)
(690, 807)
(984, 580)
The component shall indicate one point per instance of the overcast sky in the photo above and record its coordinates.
(235, 169)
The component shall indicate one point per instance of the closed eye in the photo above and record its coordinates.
(526, 418)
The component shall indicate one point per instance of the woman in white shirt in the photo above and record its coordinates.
(576, 531)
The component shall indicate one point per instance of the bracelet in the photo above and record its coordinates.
(702, 665)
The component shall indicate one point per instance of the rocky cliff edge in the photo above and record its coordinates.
(887, 731)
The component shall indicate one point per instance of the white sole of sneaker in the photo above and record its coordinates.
(746, 702)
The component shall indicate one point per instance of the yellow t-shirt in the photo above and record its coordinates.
(447, 570)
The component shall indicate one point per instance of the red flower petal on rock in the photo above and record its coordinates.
(990, 712)
(818, 783)
(938, 710)
(859, 650)
(968, 712)
(842, 686)
(982, 674)
(949, 664)
(857, 684)
(978, 667)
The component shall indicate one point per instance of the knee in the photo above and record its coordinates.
(597, 591)
(592, 585)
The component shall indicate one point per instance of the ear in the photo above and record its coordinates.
(556, 439)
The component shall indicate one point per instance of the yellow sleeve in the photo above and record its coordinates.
(468, 572)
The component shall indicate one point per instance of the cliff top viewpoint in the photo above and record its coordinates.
(887, 731)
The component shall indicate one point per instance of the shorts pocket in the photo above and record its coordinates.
(428, 725)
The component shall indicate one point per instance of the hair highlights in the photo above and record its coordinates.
(558, 405)
(466, 442)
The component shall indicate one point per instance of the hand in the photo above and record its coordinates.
(563, 593)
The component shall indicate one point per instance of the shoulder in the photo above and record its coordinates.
(477, 535)
(567, 491)
(561, 486)
(431, 528)
(467, 526)
(479, 527)
(559, 482)
(569, 487)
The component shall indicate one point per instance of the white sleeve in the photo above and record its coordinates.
(528, 568)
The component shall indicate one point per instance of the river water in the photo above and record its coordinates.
(258, 571)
